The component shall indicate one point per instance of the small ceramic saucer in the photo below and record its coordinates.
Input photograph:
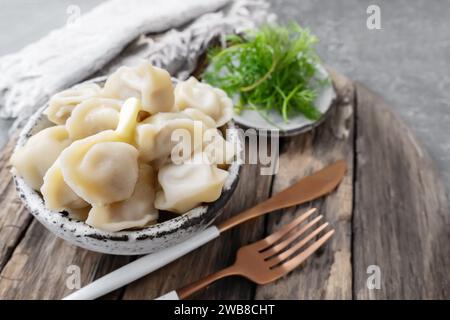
(296, 125)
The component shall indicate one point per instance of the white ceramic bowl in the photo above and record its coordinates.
(130, 242)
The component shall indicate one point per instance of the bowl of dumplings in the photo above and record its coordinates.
(129, 164)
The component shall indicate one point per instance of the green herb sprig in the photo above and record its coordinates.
(272, 68)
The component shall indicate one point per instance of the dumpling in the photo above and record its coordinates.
(152, 85)
(187, 185)
(128, 117)
(196, 114)
(92, 116)
(103, 168)
(162, 118)
(57, 194)
(167, 134)
(32, 160)
(213, 102)
(146, 133)
(99, 170)
(137, 211)
(61, 104)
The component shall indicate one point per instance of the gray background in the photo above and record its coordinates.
(407, 62)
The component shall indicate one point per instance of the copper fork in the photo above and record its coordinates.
(271, 258)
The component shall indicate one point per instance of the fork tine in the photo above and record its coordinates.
(283, 256)
(280, 246)
(270, 240)
(293, 263)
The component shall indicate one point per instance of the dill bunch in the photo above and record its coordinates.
(272, 68)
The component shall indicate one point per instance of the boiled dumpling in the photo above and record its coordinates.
(92, 116)
(103, 168)
(212, 101)
(99, 170)
(61, 104)
(160, 119)
(152, 85)
(179, 139)
(187, 185)
(57, 194)
(147, 130)
(39, 153)
(167, 134)
(197, 115)
(137, 211)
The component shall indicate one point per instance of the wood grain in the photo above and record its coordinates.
(391, 211)
(328, 274)
(38, 268)
(401, 217)
(14, 219)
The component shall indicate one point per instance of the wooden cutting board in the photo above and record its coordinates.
(390, 213)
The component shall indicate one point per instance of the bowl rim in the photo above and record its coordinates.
(34, 202)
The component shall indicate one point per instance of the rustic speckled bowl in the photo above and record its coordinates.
(129, 242)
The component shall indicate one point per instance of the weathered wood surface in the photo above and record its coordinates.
(14, 219)
(390, 211)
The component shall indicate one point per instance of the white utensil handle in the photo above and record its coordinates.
(172, 295)
(142, 266)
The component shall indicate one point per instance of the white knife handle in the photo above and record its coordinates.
(172, 295)
(142, 266)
